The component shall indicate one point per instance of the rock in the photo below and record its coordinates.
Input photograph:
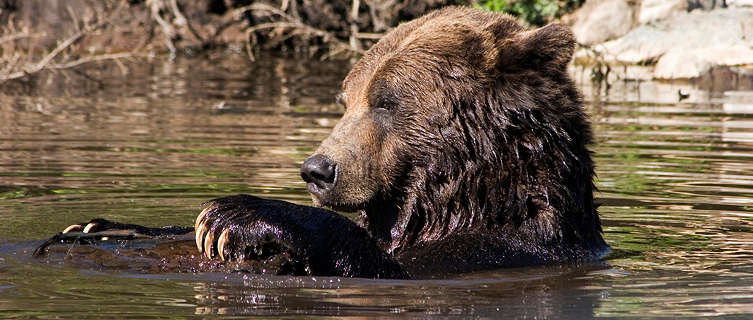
(682, 63)
(601, 20)
(652, 10)
(682, 31)
(740, 3)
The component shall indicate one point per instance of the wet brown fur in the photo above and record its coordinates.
(463, 147)
(464, 123)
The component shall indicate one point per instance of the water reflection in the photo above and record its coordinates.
(194, 129)
(675, 180)
(481, 295)
(677, 183)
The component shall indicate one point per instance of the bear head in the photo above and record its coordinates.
(460, 120)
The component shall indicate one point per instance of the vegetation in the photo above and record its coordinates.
(53, 35)
(535, 12)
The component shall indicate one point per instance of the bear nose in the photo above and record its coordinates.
(320, 170)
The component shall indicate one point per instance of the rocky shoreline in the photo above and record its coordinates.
(665, 39)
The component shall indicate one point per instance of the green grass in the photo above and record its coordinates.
(535, 12)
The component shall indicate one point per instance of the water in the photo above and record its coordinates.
(149, 143)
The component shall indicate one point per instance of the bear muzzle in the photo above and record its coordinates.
(320, 174)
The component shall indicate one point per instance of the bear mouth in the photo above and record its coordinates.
(335, 205)
(345, 207)
(319, 192)
(323, 198)
(325, 193)
(324, 180)
(327, 196)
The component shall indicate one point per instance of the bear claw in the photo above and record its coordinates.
(200, 217)
(73, 227)
(90, 226)
(227, 228)
(200, 230)
(221, 242)
(84, 229)
(208, 240)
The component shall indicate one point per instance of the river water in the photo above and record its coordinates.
(148, 142)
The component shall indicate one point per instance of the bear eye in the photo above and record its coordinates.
(382, 107)
(385, 103)
(340, 99)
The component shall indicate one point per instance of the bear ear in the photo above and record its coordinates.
(548, 48)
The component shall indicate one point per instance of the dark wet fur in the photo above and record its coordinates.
(464, 147)
(317, 241)
(482, 157)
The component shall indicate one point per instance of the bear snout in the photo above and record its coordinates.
(320, 174)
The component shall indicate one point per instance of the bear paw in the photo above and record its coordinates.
(246, 228)
(101, 225)
(94, 225)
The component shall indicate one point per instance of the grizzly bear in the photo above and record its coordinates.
(463, 147)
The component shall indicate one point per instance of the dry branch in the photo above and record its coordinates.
(100, 57)
(286, 25)
(156, 7)
(15, 36)
(326, 27)
(182, 21)
(46, 62)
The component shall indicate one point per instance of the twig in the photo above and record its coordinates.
(369, 35)
(326, 36)
(15, 36)
(236, 15)
(46, 60)
(121, 66)
(101, 57)
(374, 6)
(74, 17)
(300, 28)
(181, 20)
(296, 25)
(11, 63)
(354, 43)
(155, 7)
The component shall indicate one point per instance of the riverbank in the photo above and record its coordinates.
(619, 39)
(38, 35)
(665, 40)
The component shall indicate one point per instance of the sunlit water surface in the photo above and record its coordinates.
(149, 143)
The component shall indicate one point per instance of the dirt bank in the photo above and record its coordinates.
(57, 34)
